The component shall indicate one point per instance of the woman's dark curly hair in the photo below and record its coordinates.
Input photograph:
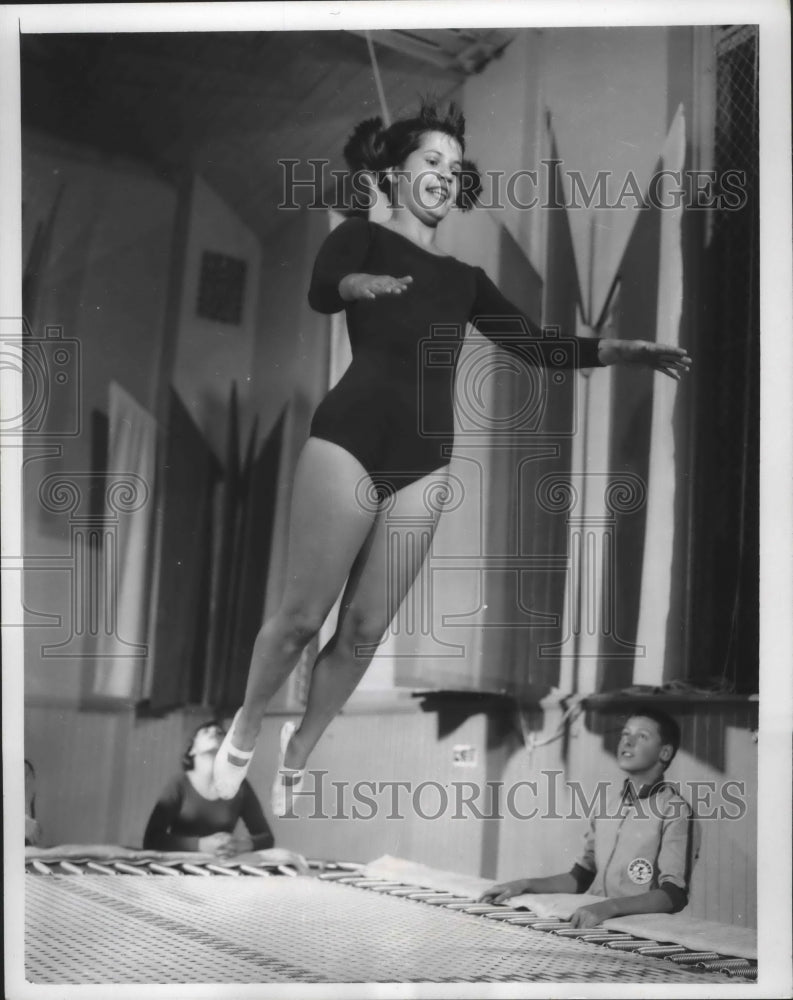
(187, 757)
(372, 149)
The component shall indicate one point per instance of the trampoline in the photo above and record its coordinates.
(91, 922)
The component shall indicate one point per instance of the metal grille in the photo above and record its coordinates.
(736, 153)
(729, 501)
(736, 236)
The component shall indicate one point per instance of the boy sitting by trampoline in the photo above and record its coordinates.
(640, 854)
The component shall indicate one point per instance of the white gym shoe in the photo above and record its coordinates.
(227, 776)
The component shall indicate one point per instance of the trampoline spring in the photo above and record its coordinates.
(101, 869)
(71, 869)
(164, 869)
(128, 869)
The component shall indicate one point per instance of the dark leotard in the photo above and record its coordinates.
(393, 408)
(182, 816)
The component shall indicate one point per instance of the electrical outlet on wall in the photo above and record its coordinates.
(464, 755)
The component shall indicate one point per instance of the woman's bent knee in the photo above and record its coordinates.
(297, 628)
(361, 631)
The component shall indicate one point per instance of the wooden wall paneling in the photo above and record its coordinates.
(154, 749)
(389, 747)
(72, 755)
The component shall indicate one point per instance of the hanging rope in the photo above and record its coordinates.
(378, 82)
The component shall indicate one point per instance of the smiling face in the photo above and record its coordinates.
(641, 750)
(427, 182)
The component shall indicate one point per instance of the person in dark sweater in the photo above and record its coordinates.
(383, 436)
(191, 816)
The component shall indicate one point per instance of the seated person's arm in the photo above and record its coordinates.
(158, 835)
(653, 901)
(549, 883)
(260, 837)
(577, 880)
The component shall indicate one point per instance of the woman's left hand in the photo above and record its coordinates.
(672, 361)
(239, 844)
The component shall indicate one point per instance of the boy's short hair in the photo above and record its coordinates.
(668, 727)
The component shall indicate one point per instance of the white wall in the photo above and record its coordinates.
(104, 281)
(503, 114)
(606, 92)
(210, 355)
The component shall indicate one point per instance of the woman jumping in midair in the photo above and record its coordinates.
(386, 428)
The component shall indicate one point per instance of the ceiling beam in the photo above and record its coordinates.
(458, 52)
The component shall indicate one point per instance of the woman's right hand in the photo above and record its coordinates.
(216, 843)
(372, 286)
(505, 890)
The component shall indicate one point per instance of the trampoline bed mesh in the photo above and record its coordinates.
(94, 929)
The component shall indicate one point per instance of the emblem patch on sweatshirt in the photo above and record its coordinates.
(640, 871)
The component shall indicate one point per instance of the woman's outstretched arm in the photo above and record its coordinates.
(502, 322)
(508, 326)
(672, 361)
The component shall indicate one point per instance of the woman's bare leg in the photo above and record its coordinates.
(374, 592)
(327, 528)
